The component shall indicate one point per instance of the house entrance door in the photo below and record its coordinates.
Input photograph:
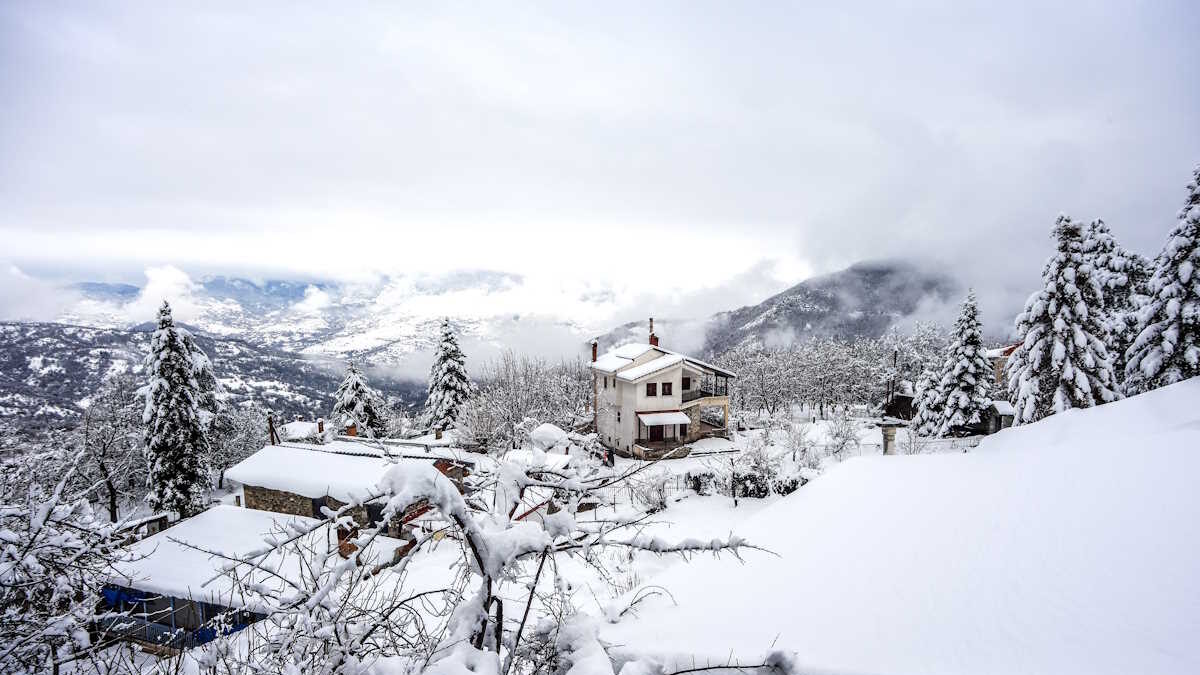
(656, 432)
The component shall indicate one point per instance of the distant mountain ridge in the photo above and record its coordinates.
(48, 371)
(863, 300)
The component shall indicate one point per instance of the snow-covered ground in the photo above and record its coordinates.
(1067, 546)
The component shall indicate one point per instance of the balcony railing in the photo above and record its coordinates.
(702, 392)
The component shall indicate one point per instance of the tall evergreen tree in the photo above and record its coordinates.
(1167, 347)
(357, 403)
(176, 442)
(966, 382)
(1062, 362)
(449, 386)
(1123, 276)
(930, 402)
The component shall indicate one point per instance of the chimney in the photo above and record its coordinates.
(320, 426)
(653, 337)
(595, 346)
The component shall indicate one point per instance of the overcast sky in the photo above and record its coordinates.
(738, 146)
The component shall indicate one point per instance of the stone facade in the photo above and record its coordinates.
(278, 501)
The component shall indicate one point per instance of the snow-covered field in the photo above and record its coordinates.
(1067, 546)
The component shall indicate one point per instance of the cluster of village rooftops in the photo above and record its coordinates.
(649, 400)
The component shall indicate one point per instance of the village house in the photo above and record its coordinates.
(999, 360)
(303, 479)
(651, 400)
(175, 590)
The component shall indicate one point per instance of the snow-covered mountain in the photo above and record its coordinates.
(384, 321)
(865, 299)
(48, 371)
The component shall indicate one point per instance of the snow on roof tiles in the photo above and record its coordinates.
(311, 472)
(650, 367)
(161, 564)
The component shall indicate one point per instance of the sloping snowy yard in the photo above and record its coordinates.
(1068, 546)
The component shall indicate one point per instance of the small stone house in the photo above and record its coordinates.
(303, 480)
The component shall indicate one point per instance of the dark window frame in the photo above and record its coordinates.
(667, 388)
(651, 389)
(686, 385)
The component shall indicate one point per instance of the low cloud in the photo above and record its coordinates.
(25, 298)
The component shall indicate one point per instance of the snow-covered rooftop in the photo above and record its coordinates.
(650, 367)
(1049, 548)
(619, 357)
(297, 430)
(310, 472)
(161, 564)
(1003, 407)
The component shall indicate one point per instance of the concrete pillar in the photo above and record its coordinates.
(889, 440)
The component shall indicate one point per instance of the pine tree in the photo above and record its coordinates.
(966, 382)
(176, 442)
(1123, 276)
(357, 403)
(930, 402)
(1167, 347)
(449, 386)
(1062, 362)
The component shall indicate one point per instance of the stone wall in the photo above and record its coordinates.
(695, 428)
(278, 501)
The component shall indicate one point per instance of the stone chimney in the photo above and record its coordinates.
(653, 337)
(595, 347)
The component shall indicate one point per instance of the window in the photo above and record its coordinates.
(606, 383)
(618, 415)
(652, 389)
(687, 383)
(666, 388)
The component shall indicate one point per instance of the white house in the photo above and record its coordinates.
(650, 400)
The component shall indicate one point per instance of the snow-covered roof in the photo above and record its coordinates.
(161, 564)
(619, 357)
(309, 471)
(988, 561)
(397, 449)
(1000, 352)
(1003, 407)
(654, 419)
(650, 367)
(296, 430)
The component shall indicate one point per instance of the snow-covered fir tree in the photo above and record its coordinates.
(1123, 276)
(1062, 362)
(175, 435)
(1167, 347)
(357, 403)
(449, 386)
(928, 403)
(966, 382)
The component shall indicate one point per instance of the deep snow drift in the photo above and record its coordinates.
(1067, 546)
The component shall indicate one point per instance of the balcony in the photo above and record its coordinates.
(694, 393)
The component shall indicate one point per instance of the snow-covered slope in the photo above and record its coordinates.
(1067, 546)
